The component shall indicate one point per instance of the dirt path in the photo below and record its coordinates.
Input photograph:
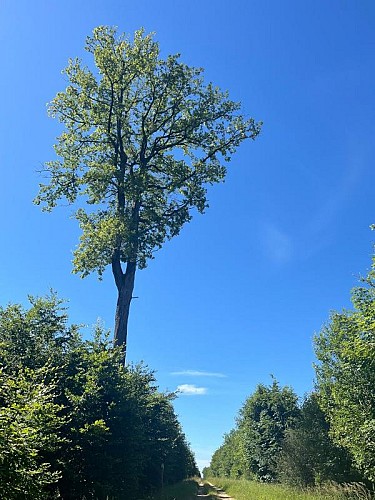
(217, 494)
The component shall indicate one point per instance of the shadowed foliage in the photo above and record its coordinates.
(73, 420)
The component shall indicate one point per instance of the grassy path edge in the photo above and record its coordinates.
(251, 490)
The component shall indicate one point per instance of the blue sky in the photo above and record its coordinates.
(239, 294)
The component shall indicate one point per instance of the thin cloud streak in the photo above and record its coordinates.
(191, 390)
(198, 373)
(278, 245)
(337, 197)
(328, 212)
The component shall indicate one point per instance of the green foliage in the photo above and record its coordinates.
(29, 427)
(143, 138)
(309, 457)
(345, 349)
(229, 459)
(277, 440)
(252, 450)
(264, 418)
(72, 420)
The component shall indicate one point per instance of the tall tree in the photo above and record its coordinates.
(264, 419)
(143, 138)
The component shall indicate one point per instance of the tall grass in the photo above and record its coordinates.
(251, 490)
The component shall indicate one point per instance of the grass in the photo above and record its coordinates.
(251, 490)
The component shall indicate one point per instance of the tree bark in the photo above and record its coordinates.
(125, 287)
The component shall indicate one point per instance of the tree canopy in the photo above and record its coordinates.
(264, 418)
(309, 457)
(345, 349)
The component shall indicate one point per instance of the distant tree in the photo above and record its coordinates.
(144, 137)
(345, 349)
(264, 419)
(229, 459)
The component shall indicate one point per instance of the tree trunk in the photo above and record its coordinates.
(125, 287)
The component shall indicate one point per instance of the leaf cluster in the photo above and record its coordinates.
(143, 138)
(309, 457)
(345, 349)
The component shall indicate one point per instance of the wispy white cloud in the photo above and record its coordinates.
(277, 243)
(338, 195)
(191, 390)
(199, 373)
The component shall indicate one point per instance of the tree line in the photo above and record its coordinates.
(75, 423)
(330, 435)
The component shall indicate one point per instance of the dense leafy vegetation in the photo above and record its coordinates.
(73, 421)
(330, 436)
(309, 456)
(345, 349)
(253, 449)
(263, 421)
